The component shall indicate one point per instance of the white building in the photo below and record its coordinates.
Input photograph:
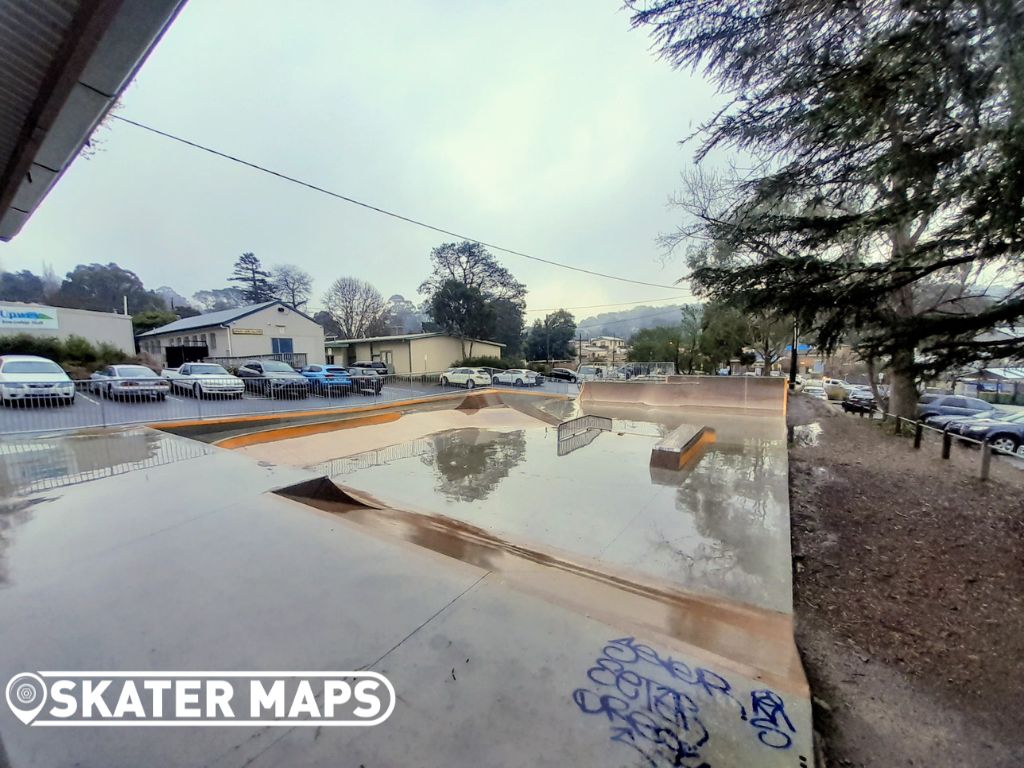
(58, 322)
(270, 329)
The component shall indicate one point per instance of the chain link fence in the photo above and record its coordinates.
(29, 407)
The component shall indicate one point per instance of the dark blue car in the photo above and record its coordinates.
(930, 406)
(328, 379)
(1006, 434)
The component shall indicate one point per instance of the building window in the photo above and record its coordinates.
(213, 341)
(281, 346)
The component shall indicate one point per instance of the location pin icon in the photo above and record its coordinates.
(26, 695)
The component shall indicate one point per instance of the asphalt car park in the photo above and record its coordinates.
(91, 410)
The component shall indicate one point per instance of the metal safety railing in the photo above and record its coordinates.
(30, 407)
(919, 429)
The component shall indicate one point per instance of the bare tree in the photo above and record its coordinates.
(292, 285)
(357, 307)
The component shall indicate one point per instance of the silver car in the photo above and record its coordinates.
(135, 382)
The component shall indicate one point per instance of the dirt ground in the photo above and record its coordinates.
(909, 595)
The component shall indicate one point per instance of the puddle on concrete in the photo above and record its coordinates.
(806, 435)
(718, 527)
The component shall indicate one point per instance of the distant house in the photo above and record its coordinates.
(409, 352)
(268, 330)
(602, 349)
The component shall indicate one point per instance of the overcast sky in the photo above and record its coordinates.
(546, 127)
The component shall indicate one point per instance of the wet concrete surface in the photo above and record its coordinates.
(718, 527)
(139, 550)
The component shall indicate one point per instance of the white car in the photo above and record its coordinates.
(465, 377)
(27, 378)
(131, 381)
(202, 379)
(817, 393)
(517, 377)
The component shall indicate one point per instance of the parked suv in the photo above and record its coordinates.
(465, 377)
(366, 380)
(377, 365)
(950, 405)
(272, 378)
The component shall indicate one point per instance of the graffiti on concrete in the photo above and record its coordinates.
(653, 704)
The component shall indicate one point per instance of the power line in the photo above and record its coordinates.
(384, 211)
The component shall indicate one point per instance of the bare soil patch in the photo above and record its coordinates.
(909, 595)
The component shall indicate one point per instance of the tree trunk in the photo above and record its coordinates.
(902, 388)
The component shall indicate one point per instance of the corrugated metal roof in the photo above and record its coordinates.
(63, 63)
(209, 319)
(31, 35)
(1005, 373)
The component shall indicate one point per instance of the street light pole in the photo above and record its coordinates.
(793, 356)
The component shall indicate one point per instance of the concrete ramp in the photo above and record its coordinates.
(737, 393)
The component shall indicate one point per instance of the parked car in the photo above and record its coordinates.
(27, 378)
(818, 393)
(465, 377)
(517, 377)
(368, 381)
(203, 379)
(930, 406)
(859, 401)
(958, 426)
(562, 374)
(328, 379)
(1005, 435)
(272, 378)
(135, 382)
(381, 367)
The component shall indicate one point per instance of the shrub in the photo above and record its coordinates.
(27, 344)
(74, 354)
(502, 363)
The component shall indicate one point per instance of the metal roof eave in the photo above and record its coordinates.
(103, 47)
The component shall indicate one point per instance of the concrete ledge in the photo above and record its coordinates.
(681, 446)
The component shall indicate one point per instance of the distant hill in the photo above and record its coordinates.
(628, 321)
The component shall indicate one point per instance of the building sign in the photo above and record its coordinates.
(247, 331)
(21, 318)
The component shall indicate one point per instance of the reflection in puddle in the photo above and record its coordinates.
(718, 527)
(805, 434)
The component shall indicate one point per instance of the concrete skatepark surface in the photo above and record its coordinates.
(508, 644)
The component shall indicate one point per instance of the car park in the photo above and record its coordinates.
(465, 377)
(328, 379)
(562, 374)
(31, 379)
(132, 382)
(204, 380)
(272, 378)
(366, 381)
(930, 406)
(517, 377)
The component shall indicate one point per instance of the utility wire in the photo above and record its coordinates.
(384, 211)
